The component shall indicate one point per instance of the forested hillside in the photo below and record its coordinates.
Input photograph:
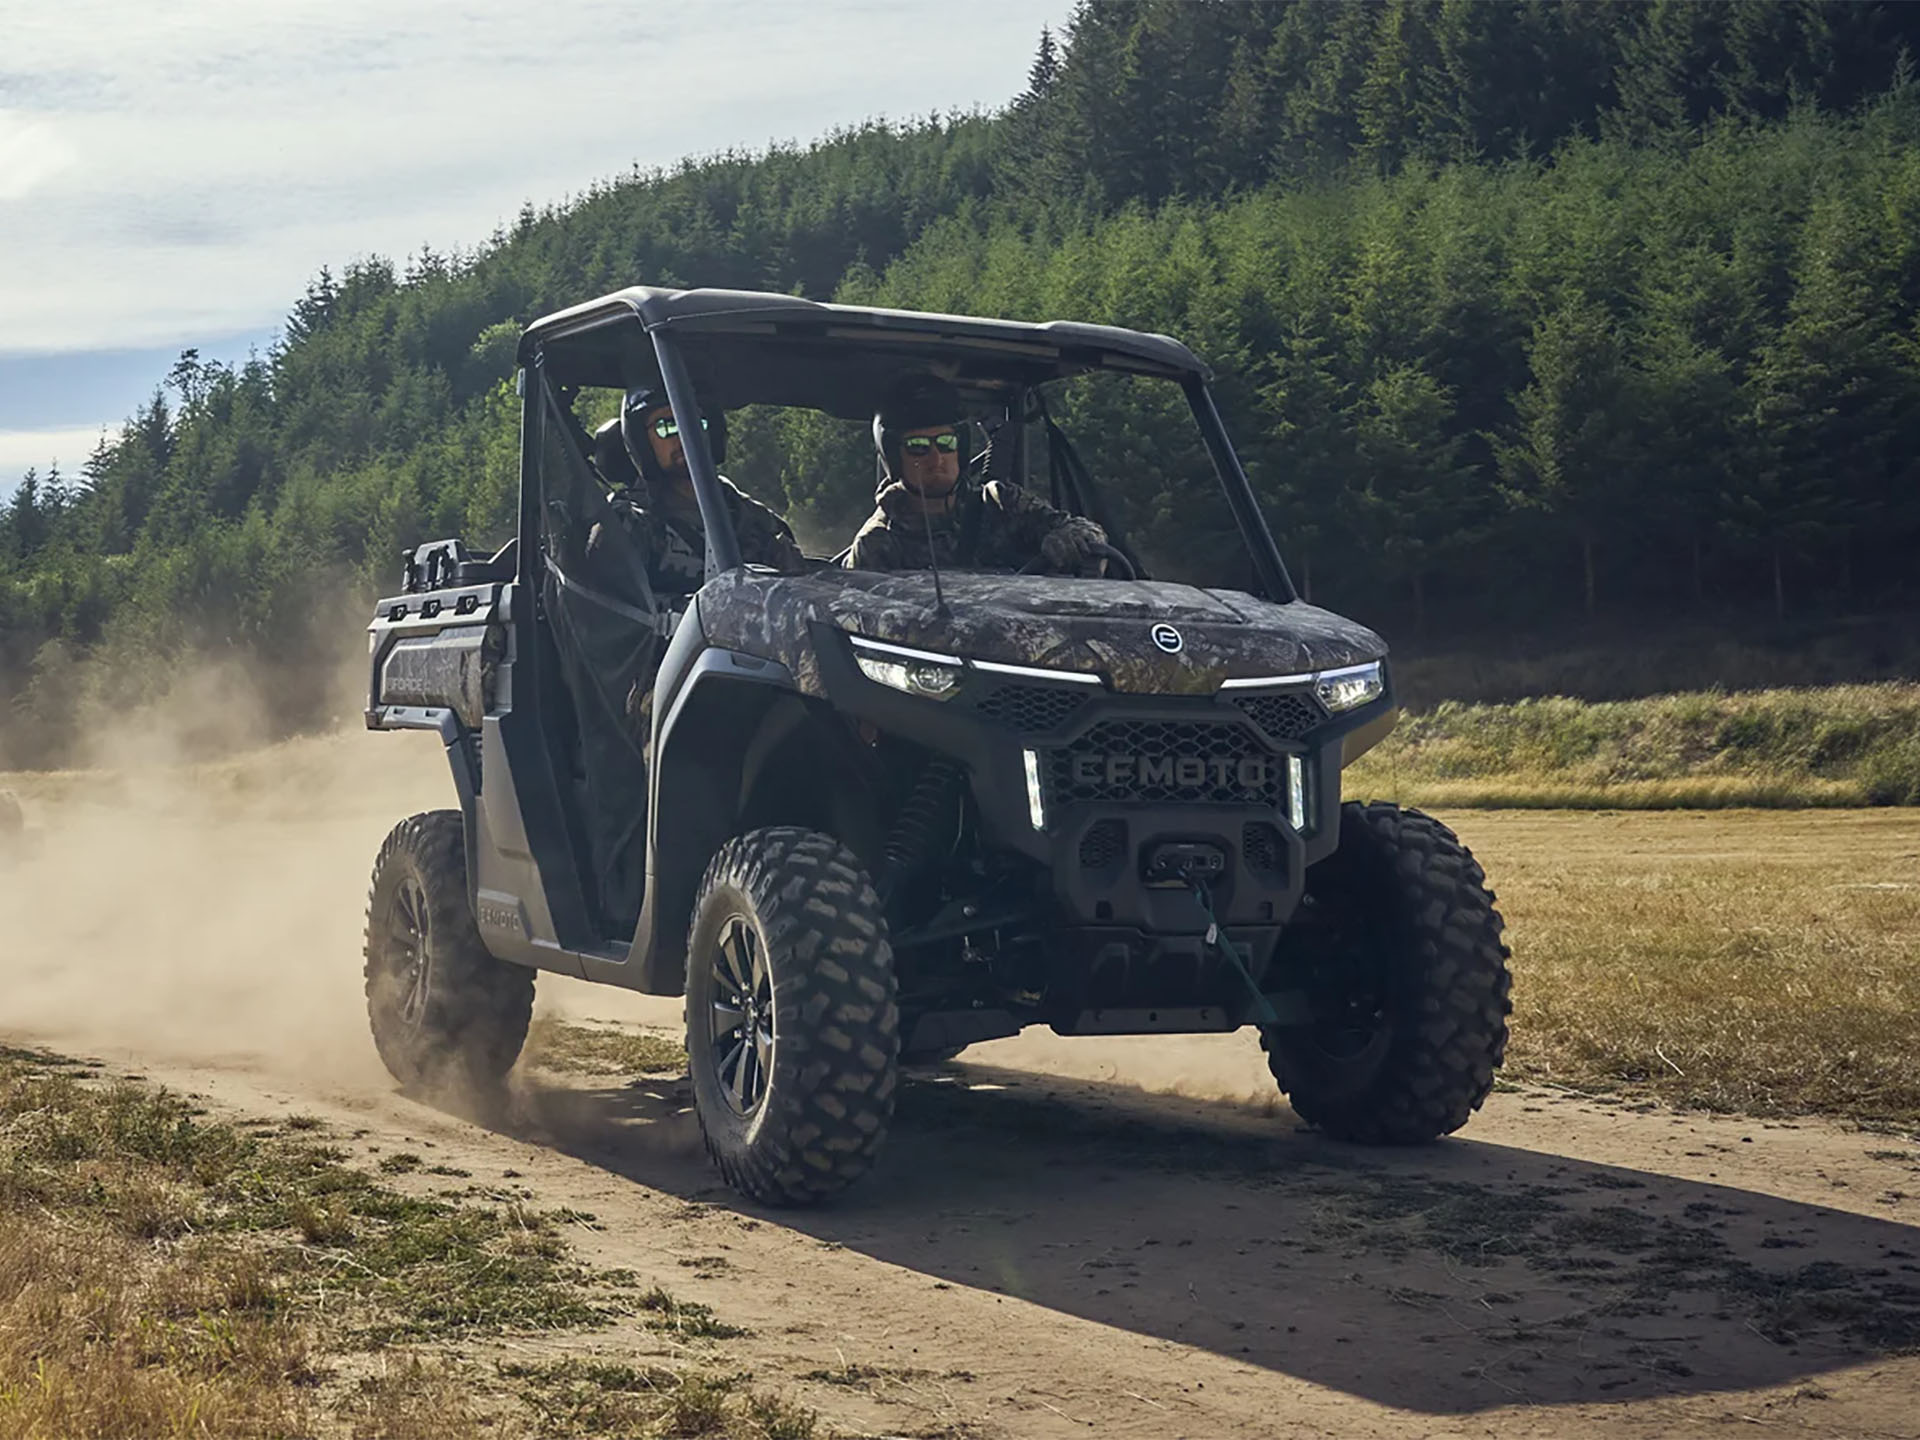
(1518, 309)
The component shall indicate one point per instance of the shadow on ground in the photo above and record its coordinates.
(1445, 1279)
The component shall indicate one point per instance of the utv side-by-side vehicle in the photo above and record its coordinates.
(868, 819)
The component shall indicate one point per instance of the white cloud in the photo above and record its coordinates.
(31, 152)
(23, 450)
(193, 165)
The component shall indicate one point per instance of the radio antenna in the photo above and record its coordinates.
(933, 561)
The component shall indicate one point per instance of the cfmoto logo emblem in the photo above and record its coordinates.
(1168, 639)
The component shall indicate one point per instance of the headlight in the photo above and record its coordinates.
(1350, 688)
(917, 672)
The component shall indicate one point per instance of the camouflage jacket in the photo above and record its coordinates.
(995, 526)
(674, 539)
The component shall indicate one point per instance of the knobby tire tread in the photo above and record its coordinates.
(479, 1007)
(1450, 1033)
(837, 1018)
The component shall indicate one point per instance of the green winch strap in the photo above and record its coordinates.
(1217, 938)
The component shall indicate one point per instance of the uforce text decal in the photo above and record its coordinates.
(495, 916)
(1249, 772)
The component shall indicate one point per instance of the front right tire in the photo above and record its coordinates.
(793, 1022)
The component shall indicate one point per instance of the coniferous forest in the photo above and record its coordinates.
(1523, 313)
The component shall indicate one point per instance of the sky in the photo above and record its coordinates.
(174, 175)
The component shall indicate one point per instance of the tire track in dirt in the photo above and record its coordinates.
(1037, 1255)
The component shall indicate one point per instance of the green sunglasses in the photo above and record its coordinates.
(922, 445)
(666, 427)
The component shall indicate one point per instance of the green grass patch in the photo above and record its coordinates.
(683, 1318)
(591, 1050)
(1843, 745)
(165, 1272)
(581, 1398)
(138, 1161)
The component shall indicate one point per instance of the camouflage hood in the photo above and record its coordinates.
(1103, 627)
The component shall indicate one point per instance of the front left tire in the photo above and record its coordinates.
(793, 1022)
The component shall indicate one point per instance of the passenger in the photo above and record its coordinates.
(920, 434)
(641, 455)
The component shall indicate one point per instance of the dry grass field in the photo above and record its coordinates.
(1761, 961)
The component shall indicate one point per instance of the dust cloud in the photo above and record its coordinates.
(209, 910)
(1228, 1068)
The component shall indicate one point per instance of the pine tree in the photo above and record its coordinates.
(26, 519)
(1830, 396)
(1043, 73)
(313, 311)
(1570, 455)
(1416, 495)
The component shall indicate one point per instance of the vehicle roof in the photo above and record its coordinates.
(597, 344)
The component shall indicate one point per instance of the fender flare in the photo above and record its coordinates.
(695, 793)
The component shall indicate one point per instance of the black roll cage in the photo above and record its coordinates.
(637, 334)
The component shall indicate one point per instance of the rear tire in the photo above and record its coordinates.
(1409, 975)
(793, 1026)
(443, 1010)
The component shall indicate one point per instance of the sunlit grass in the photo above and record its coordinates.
(590, 1050)
(1835, 746)
(1750, 961)
(170, 1275)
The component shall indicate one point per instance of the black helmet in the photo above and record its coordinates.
(610, 455)
(914, 404)
(633, 414)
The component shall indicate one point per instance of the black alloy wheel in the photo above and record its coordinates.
(742, 1016)
(409, 927)
(444, 1012)
(793, 1022)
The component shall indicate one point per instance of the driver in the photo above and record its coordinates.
(929, 509)
(643, 457)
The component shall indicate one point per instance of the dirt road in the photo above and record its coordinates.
(1044, 1249)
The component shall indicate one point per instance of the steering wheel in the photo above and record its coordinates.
(1113, 557)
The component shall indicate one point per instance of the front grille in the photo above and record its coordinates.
(1032, 709)
(1150, 762)
(1261, 848)
(1290, 716)
(1104, 844)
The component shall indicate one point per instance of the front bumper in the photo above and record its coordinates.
(1251, 776)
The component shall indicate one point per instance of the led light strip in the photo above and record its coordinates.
(1275, 682)
(1346, 670)
(1036, 802)
(1031, 672)
(902, 652)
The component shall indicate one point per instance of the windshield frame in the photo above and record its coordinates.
(620, 345)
